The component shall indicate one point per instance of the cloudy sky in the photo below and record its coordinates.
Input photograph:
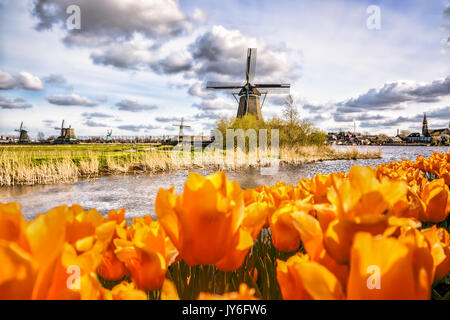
(138, 66)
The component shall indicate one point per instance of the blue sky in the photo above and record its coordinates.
(137, 67)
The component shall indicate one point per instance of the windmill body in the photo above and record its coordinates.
(249, 94)
(23, 134)
(67, 135)
(108, 136)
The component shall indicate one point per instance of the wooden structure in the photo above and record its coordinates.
(23, 134)
(67, 135)
(249, 94)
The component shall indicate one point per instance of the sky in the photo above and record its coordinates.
(137, 66)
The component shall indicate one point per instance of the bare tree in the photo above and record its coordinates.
(290, 112)
(40, 136)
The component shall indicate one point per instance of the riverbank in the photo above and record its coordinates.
(40, 165)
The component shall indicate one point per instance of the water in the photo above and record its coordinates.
(137, 193)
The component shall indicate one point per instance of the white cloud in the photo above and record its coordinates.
(24, 80)
(222, 52)
(71, 100)
(28, 81)
(18, 103)
(134, 106)
(105, 21)
(7, 82)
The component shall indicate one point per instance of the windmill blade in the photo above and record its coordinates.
(21, 125)
(273, 88)
(273, 85)
(251, 65)
(275, 91)
(223, 85)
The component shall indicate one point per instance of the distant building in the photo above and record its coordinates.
(425, 131)
(416, 137)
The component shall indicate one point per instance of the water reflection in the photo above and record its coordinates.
(137, 193)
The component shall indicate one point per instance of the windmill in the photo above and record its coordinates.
(108, 136)
(181, 126)
(249, 93)
(67, 135)
(23, 134)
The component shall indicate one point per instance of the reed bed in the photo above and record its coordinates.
(62, 164)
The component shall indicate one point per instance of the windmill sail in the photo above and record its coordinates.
(223, 85)
(251, 65)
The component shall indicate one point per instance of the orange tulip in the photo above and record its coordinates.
(361, 193)
(116, 215)
(310, 233)
(440, 250)
(111, 268)
(285, 236)
(244, 293)
(339, 237)
(301, 279)
(58, 241)
(312, 238)
(436, 198)
(18, 272)
(236, 256)
(126, 291)
(204, 222)
(144, 256)
(12, 224)
(389, 268)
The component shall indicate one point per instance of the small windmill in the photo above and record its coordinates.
(249, 93)
(23, 134)
(66, 134)
(181, 126)
(108, 136)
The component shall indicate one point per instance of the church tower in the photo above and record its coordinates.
(425, 132)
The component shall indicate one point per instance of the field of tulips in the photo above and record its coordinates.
(372, 233)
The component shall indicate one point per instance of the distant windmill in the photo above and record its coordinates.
(249, 93)
(67, 135)
(108, 136)
(23, 134)
(181, 126)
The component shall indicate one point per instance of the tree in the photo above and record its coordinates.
(290, 112)
(405, 132)
(292, 130)
(40, 136)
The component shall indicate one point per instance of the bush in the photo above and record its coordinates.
(292, 131)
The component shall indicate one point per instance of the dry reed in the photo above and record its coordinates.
(49, 167)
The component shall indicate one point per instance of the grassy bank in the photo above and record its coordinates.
(29, 165)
